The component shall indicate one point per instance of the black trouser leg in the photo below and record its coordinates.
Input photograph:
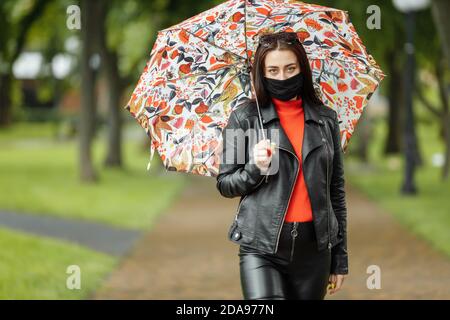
(297, 271)
(261, 279)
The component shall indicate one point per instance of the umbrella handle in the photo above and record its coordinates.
(269, 151)
(257, 105)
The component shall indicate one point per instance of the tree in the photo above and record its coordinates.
(89, 35)
(439, 10)
(126, 30)
(12, 39)
(110, 61)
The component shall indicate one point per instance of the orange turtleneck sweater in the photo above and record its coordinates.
(292, 119)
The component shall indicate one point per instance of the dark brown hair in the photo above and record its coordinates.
(278, 41)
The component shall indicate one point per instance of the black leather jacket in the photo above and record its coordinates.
(265, 198)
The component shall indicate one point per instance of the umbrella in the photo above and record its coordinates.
(198, 72)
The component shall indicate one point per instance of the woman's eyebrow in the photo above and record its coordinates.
(291, 64)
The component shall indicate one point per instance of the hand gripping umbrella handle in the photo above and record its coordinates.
(269, 151)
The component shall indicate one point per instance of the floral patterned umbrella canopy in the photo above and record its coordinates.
(198, 73)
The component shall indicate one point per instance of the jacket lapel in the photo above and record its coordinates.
(312, 137)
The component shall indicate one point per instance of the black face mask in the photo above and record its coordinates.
(284, 89)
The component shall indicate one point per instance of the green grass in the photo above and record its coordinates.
(425, 214)
(35, 268)
(27, 130)
(41, 177)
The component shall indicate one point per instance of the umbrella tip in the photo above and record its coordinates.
(152, 153)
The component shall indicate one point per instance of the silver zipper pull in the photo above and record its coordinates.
(294, 231)
(294, 234)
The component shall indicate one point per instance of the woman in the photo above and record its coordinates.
(291, 220)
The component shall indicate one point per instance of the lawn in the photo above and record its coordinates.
(425, 214)
(35, 267)
(41, 176)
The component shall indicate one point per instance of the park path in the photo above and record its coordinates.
(188, 256)
(98, 236)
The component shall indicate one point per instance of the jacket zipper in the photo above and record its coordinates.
(294, 234)
(328, 206)
(239, 207)
(237, 212)
(290, 195)
(259, 183)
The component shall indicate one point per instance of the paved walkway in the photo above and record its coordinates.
(96, 236)
(187, 254)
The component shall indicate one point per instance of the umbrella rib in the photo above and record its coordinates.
(245, 30)
(231, 78)
(203, 73)
(368, 66)
(230, 52)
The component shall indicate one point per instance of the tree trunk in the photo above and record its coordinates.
(88, 101)
(114, 154)
(440, 10)
(442, 116)
(441, 67)
(5, 99)
(446, 126)
(111, 71)
(393, 144)
(409, 136)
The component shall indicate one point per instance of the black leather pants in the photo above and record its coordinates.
(296, 271)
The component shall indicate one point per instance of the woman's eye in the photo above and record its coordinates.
(272, 71)
(291, 69)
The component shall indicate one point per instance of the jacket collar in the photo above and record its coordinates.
(268, 113)
(312, 136)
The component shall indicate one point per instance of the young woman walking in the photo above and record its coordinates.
(291, 221)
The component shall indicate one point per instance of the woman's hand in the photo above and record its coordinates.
(262, 153)
(335, 282)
